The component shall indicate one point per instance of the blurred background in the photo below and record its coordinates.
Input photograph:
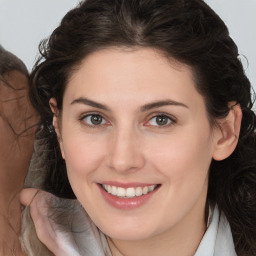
(24, 23)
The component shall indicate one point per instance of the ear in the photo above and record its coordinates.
(229, 133)
(56, 122)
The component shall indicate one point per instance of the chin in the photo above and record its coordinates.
(128, 232)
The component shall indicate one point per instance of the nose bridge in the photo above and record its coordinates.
(125, 153)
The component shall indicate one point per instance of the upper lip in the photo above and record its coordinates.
(128, 184)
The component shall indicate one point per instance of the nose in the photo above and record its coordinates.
(125, 152)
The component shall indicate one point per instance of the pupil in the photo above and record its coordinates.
(96, 120)
(161, 120)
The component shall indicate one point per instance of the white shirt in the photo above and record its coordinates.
(217, 240)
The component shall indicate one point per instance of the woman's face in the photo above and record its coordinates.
(134, 124)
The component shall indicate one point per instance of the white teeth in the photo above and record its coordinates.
(120, 192)
(129, 192)
(138, 191)
(151, 188)
(114, 191)
(145, 190)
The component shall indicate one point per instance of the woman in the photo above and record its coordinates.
(17, 118)
(147, 115)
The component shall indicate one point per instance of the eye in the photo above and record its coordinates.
(94, 120)
(160, 120)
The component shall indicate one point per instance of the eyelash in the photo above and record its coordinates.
(171, 121)
(82, 119)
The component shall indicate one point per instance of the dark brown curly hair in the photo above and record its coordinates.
(188, 31)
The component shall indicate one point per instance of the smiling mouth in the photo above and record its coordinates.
(128, 192)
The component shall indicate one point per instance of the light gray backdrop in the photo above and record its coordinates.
(23, 23)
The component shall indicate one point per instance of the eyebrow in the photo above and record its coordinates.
(158, 104)
(91, 103)
(149, 106)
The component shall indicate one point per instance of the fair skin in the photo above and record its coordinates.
(150, 127)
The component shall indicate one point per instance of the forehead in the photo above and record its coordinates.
(128, 57)
(143, 74)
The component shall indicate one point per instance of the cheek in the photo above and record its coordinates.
(184, 156)
(184, 162)
(83, 155)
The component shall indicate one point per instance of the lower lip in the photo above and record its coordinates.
(126, 203)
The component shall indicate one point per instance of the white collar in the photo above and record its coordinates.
(217, 240)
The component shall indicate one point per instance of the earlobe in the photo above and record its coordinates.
(55, 123)
(229, 133)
